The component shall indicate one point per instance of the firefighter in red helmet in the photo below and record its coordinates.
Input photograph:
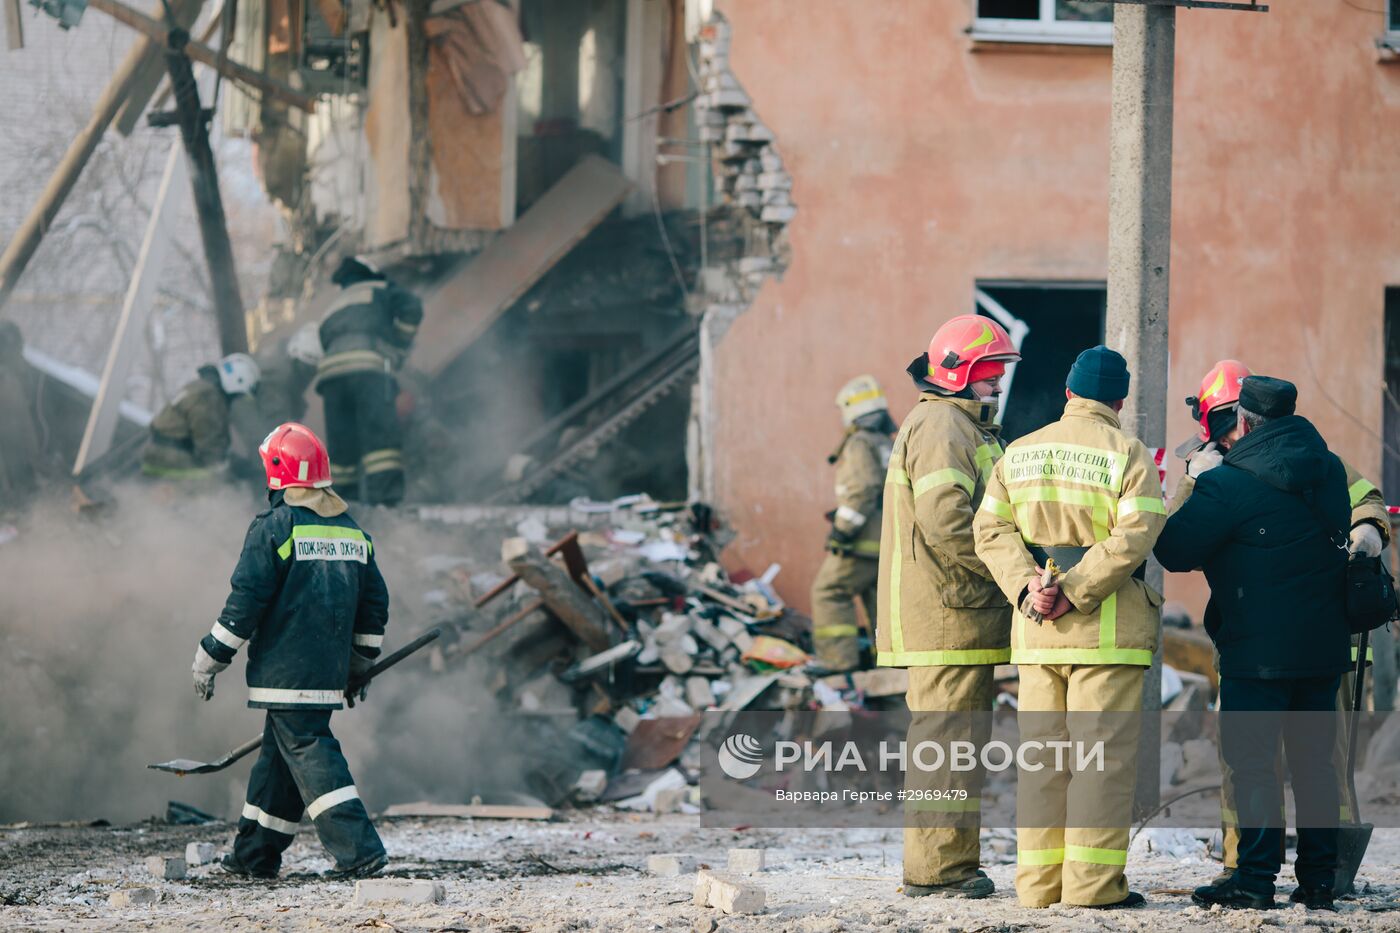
(308, 600)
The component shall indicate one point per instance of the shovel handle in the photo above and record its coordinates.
(389, 661)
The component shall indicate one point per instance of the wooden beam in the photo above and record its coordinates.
(201, 53)
(131, 326)
(14, 25)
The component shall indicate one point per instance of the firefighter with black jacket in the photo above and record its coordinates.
(367, 334)
(309, 602)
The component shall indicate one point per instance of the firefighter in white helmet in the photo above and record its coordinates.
(853, 544)
(190, 436)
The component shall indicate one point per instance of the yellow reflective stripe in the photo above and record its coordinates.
(835, 631)
(1370, 653)
(898, 477)
(1229, 817)
(987, 456)
(970, 805)
(1096, 856)
(1040, 856)
(998, 508)
(896, 574)
(1344, 812)
(1108, 623)
(1152, 504)
(1360, 490)
(867, 546)
(961, 656)
(1020, 495)
(863, 397)
(1020, 654)
(944, 478)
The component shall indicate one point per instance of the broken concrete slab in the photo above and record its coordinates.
(200, 853)
(398, 891)
(747, 861)
(166, 867)
(671, 866)
(590, 785)
(134, 897)
(698, 693)
(728, 893)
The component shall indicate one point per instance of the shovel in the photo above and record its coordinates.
(184, 766)
(1353, 838)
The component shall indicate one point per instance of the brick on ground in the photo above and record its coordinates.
(134, 897)
(747, 861)
(672, 865)
(200, 853)
(728, 893)
(397, 891)
(166, 867)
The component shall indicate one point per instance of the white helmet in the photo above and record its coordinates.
(861, 396)
(238, 373)
(305, 345)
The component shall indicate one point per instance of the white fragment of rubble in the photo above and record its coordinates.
(1179, 844)
(670, 779)
(728, 893)
(1202, 761)
(166, 867)
(698, 693)
(590, 785)
(134, 897)
(671, 865)
(627, 719)
(829, 697)
(545, 695)
(200, 853)
(398, 891)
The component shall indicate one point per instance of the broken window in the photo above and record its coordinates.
(1087, 22)
(1051, 322)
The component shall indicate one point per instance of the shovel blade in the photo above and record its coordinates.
(1352, 841)
(180, 766)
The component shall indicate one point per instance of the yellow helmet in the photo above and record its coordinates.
(861, 396)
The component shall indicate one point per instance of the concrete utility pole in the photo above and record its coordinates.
(1139, 262)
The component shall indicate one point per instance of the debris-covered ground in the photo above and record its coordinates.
(589, 871)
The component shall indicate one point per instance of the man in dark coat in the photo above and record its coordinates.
(1267, 523)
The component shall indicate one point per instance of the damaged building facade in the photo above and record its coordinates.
(953, 155)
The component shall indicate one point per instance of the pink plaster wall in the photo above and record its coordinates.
(921, 166)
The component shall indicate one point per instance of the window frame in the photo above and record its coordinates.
(1392, 21)
(1046, 30)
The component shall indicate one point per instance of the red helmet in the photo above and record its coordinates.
(293, 456)
(963, 341)
(1219, 388)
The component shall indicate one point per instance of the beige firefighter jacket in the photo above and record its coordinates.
(1079, 482)
(938, 603)
(861, 461)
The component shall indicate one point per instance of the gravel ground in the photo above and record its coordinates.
(586, 872)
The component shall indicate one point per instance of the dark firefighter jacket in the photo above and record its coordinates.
(369, 328)
(305, 590)
(1277, 582)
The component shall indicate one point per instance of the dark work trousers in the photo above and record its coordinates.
(364, 437)
(1255, 715)
(301, 770)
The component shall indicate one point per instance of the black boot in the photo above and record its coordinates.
(1230, 895)
(234, 867)
(1317, 897)
(1134, 899)
(365, 869)
(977, 886)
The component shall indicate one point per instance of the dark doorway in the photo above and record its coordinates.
(1390, 421)
(1063, 319)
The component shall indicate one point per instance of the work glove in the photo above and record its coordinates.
(1366, 541)
(204, 669)
(359, 664)
(1039, 598)
(1207, 458)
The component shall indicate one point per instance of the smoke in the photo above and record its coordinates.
(99, 619)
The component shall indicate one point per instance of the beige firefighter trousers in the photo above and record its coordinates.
(1072, 825)
(840, 581)
(941, 836)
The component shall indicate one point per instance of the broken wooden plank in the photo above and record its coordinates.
(470, 811)
(560, 593)
(656, 743)
(14, 25)
(153, 71)
(468, 303)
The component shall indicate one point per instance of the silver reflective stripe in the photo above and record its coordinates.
(268, 821)
(369, 641)
(334, 799)
(226, 637)
(270, 695)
